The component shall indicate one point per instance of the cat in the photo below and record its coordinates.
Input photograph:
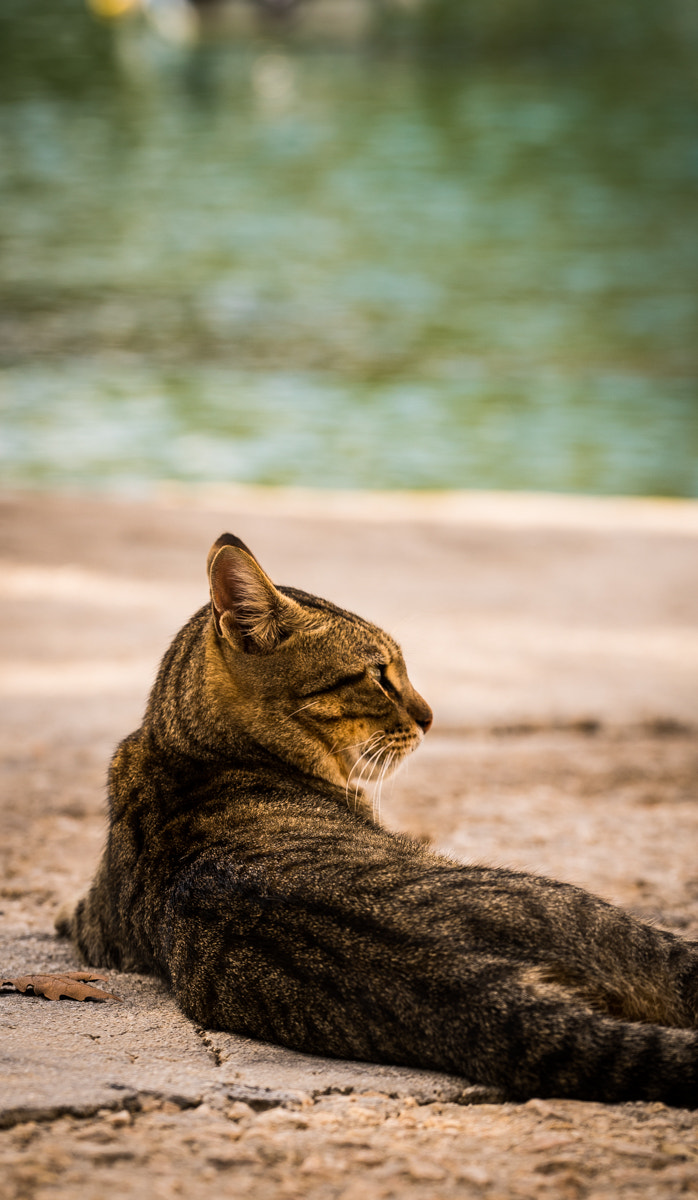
(245, 868)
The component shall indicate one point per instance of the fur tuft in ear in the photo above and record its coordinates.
(247, 608)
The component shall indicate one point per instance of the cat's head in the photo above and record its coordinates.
(314, 684)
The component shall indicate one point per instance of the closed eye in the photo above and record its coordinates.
(335, 685)
(380, 673)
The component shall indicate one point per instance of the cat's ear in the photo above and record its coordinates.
(247, 608)
(226, 539)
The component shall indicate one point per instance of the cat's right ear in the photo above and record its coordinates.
(247, 609)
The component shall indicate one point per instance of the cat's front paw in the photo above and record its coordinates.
(63, 923)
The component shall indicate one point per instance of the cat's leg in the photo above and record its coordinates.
(610, 960)
(636, 974)
(531, 1039)
(639, 973)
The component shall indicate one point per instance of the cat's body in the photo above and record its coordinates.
(243, 868)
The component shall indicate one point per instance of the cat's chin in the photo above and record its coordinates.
(376, 762)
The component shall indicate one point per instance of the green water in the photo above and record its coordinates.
(275, 264)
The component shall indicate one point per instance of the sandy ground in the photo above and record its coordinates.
(558, 643)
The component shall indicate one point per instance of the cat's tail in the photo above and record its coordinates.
(82, 924)
(65, 920)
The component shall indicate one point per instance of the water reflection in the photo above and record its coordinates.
(269, 263)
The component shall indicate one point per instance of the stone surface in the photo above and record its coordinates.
(76, 1057)
(557, 642)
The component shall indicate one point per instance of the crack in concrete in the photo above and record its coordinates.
(261, 1099)
(19, 1116)
(216, 1054)
(132, 1102)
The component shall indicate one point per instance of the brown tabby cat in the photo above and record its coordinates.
(239, 869)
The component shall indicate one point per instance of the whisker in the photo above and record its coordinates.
(392, 782)
(359, 764)
(297, 710)
(354, 745)
(374, 759)
(365, 763)
(387, 771)
(351, 746)
(379, 789)
(371, 760)
(369, 743)
(376, 797)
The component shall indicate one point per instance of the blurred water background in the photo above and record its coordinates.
(399, 244)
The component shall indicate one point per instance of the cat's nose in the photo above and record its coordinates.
(422, 714)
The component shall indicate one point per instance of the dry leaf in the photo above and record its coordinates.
(67, 985)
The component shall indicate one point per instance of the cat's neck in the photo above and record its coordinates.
(183, 718)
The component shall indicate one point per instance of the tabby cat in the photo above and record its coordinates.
(245, 868)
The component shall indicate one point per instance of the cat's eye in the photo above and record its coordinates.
(379, 672)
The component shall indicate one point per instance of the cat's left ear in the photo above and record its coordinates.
(247, 609)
